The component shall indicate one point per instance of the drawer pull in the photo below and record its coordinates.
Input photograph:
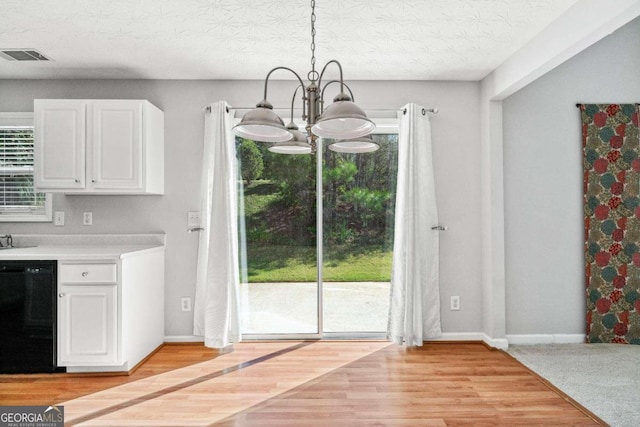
(85, 273)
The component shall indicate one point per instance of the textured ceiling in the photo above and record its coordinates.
(242, 39)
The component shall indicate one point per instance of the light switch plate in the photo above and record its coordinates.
(193, 219)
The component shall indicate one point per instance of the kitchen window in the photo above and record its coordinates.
(19, 202)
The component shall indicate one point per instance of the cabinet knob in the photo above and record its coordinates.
(93, 180)
(61, 295)
(77, 180)
(85, 273)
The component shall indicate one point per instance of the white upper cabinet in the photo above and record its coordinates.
(117, 145)
(99, 147)
(60, 144)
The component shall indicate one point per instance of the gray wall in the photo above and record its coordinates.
(456, 152)
(543, 182)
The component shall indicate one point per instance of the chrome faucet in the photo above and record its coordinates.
(9, 241)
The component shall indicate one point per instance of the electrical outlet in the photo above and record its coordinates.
(87, 218)
(185, 303)
(193, 219)
(455, 303)
(58, 218)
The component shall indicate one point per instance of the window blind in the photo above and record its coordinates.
(17, 195)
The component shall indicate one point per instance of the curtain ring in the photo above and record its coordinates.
(424, 112)
(404, 111)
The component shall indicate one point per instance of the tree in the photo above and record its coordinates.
(359, 193)
(251, 160)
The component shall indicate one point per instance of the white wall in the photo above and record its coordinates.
(456, 150)
(543, 182)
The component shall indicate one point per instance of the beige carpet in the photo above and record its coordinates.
(604, 378)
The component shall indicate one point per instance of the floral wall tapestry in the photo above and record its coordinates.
(611, 147)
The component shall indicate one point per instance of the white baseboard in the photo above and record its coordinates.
(447, 336)
(499, 343)
(183, 338)
(458, 336)
(91, 369)
(530, 339)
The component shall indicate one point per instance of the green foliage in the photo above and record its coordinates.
(250, 160)
(258, 233)
(296, 176)
(341, 234)
(358, 215)
(344, 172)
(359, 194)
(258, 196)
(371, 200)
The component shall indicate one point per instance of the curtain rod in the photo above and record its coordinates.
(434, 110)
(424, 111)
(579, 104)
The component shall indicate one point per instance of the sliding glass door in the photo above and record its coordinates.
(316, 238)
(278, 259)
(358, 213)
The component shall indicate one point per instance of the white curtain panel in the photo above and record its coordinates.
(414, 312)
(216, 314)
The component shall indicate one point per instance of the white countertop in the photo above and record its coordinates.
(76, 252)
(81, 246)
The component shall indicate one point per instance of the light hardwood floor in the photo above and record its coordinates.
(306, 383)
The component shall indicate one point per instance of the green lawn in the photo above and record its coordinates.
(273, 263)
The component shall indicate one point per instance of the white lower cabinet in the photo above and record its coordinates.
(87, 322)
(110, 312)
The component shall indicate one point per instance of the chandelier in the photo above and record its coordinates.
(343, 121)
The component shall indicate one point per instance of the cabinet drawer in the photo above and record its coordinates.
(88, 273)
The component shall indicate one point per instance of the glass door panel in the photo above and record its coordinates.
(277, 221)
(358, 220)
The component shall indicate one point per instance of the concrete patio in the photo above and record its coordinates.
(291, 308)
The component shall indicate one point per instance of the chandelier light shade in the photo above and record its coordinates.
(363, 144)
(262, 124)
(297, 145)
(342, 120)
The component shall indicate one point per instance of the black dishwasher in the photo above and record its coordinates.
(28, 316)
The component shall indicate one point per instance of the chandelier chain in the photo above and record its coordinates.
(341, 120)
(313, 39)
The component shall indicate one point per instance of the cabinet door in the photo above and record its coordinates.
(117, 145)
(59, 144)
(87, 325)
